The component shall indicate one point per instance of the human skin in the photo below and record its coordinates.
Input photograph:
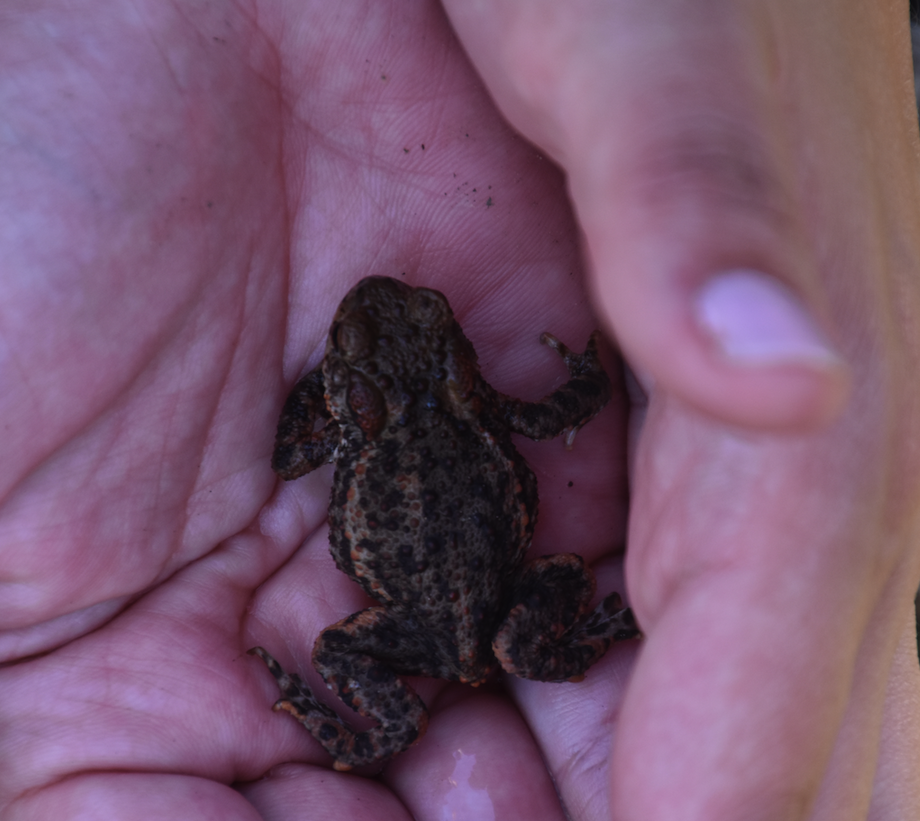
(773, 573)
(189, 190)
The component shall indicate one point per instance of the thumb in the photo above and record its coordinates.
(680, 163)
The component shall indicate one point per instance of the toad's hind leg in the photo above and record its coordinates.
(549, 633)
(352, 658)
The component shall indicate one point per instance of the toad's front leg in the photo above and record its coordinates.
(351, 658)
(570, 406)
(298, 447)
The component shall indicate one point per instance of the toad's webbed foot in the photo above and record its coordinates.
(296, 696)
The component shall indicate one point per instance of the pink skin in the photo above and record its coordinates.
(188, 191)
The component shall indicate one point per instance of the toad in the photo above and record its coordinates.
(432, 512)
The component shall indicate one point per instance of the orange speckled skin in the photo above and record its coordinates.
(432, 512)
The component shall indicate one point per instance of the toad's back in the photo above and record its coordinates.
(433, 523)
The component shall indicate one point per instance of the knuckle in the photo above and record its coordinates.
(708, 161)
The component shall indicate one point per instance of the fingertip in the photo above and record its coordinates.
(756, 321)
(771, 364)
(778, 365)
(741, 347)
(794, 398)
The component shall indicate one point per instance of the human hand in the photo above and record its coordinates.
(190, 191)
(773, 573)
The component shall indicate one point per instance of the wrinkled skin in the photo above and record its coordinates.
(188, 189)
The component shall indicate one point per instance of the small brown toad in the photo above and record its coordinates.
(432, 513)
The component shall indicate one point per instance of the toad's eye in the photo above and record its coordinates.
(428, 307)
(351, 339)
(367, 404)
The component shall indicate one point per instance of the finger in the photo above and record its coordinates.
(680, 143)
(896, 791)
(478, 760)
(750, 576)
(128, 796)
(575, 725)
(293, 791)
(164, 687)
(877, 739)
